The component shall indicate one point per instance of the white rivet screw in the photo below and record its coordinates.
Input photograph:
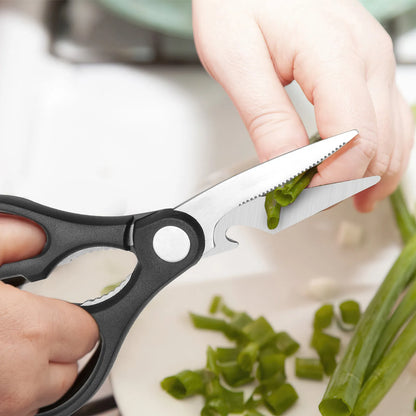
(171, 244)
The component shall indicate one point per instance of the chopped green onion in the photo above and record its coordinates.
(215, 303)
(414, 405)
(309, 368)
(350, 312)
(325, 343)
(184, 384)
(286, 344)
(227, 311)
(212, 360)
(272, 211)
(270, 365)
(214, 324)
(253, 413)
(248, 356)
(281, 399)
(323, 317)
(225, 355)
(240, 320)
(327, 347)
(259, 331)
(345, 384)
(110, 288)
(234, 375)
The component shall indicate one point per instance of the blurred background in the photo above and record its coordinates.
(105, 109)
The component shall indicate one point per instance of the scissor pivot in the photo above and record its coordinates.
(171, 244)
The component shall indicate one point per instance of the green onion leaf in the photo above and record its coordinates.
(259, 331)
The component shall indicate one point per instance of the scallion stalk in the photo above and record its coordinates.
(404, 219)
(345, 384)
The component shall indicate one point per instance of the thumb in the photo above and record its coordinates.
(19, 239)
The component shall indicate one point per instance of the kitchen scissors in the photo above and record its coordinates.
(166, 243)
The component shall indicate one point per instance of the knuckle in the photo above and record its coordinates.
(267, 122)
(368, 145)
(381, 164)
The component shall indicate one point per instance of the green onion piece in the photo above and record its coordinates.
(259, 331)
(286, 344)
(208, 411)
(281, 399)
(214, 324)
(248, 356)
(309, 368)
(227, 311)
(404, 219)
(289, 192)
(110, 288)
(272, 211)
(240, 320)
(405, 309)
(327, 347)
(212, 360)
(323, 317)
(184, 384)
(350, 312)
(255, 400)
(323, 342)
(215, 304)
(253, 413)
(234, 375)
(388, 370)
(345, 384)
(414, 405)
(270, 365)
(225, 355)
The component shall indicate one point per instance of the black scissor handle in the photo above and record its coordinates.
(116, 315)
(66, 233)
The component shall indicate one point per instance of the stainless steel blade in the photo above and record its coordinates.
(310, 202)
(211, 205)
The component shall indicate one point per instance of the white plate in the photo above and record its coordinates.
(162, 341)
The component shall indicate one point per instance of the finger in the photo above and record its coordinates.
(342, 102)
(19, 239)
(402, 138)
(58, 381)
(246, 72)
(73, 331)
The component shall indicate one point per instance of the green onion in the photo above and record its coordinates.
(184, 384)
(214, 324)
(110, 288)
(270, 365)
(287, 193)
(272, 211)
(323, 317)
(309, 368)
(225, 355)
(387, 371)
(248, 356)
(240, 320)
(327, 347)
(404, 310)
(234, 375)
(344, 386)
(259, 331)
(414, 405)
(281, 399)
(215, 304)
(212, 360)
(350, 312)
(404, 219)
(253, 413)
(286, 344)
